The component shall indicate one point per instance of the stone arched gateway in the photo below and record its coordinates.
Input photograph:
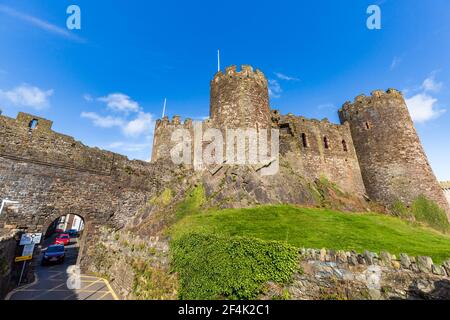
(52, 175)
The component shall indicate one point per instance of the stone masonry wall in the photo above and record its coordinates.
(8, 247)
(393, 163)
(339, 275)
(240, 99)
(316, 149)
(53, 175)
(137, 268)
(446, 188)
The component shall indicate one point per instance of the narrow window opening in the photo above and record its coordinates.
(33, 124)
(367, 126)
(344, 145)
(326, 143)
(304, 140)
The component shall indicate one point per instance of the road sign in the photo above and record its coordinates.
(25, 239)
(29, 238)
(28, 250)
(36, 237)
(23, 258)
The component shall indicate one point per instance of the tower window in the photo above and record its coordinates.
(344, 145)
(304, 140)
(368, 126)
(33, 124)
(326, 142)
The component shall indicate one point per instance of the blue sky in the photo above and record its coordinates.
(105, 84)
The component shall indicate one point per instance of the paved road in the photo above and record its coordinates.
(51, 283)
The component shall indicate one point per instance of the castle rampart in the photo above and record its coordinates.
(446, 188)
(316, 149)
(393, 163)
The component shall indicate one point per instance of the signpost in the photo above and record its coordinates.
(28, 241)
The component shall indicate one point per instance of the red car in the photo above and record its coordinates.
(63, 238)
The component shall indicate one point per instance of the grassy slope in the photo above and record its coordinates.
(321, 228)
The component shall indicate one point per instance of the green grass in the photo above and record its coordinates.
(321, 228)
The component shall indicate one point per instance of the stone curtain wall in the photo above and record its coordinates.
(53, 175)
(8, 247)
(339, 275)
(393, 163)
(302, 144)
(137, 268)
(446, 188)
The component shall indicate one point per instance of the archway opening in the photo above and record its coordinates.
(64, 236)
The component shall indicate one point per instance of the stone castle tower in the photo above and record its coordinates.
(240, 99)
(375, 149)
(393, 163)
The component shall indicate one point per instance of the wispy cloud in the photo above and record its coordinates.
(395, 62)
(120, 102)
(431, 85)
(274, 88)
(103, 121)
(133, 121)
(423, 106)
(27, 96)
(282, 76)
(41, 24)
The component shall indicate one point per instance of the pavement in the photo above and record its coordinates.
(52, 283)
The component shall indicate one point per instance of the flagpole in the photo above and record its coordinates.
(164, 107)
(218, 60)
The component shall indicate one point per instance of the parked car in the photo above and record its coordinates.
(73, 233)
(54, 254)
(63, 239)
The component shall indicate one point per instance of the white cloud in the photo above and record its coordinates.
(140, 125)
(103, 122)
(28, 96)
(130, 147)
(423, 108)
(274, 88)
(285, 77)
(136, 127)
(395, 62)
(120, 102)
(431, 85)
(88, 97)
(41, 24)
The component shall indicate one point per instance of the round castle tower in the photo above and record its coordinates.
(393, 163)
(240, 99)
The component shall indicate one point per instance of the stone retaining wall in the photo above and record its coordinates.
(8, 247)
(339, 275)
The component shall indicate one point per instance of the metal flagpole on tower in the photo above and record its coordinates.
(218, 60)
(164, 107)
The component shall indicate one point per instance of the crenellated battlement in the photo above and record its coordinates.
(246, 72)
(175, 122)
(363, 100)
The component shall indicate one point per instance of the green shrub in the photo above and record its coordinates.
(220, 267)
(399, 209)
(427, 211)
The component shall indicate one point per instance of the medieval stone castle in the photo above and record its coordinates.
(375, 154)
(375, 151)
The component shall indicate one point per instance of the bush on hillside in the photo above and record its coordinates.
(220, 267)
(427, 211)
